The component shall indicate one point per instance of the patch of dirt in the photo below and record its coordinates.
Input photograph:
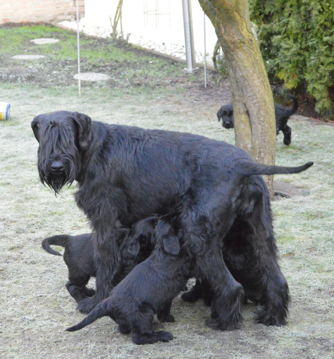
(286, 190)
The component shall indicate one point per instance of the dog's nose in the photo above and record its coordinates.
(57, 166)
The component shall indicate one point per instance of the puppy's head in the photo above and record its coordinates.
(225, 114)
(62, 137)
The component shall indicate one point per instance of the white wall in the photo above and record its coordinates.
(153, 24)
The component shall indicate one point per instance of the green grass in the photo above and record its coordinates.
(120, 60)
(35, 307)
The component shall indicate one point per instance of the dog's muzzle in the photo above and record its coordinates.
(228, 125)
(57, 167)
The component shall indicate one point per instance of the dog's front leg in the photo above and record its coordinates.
(107, 261)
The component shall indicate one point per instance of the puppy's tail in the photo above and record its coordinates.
(60, 240)
(295, 104)
(249, 168)
(98, 312)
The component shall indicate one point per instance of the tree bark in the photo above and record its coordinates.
(253, 104)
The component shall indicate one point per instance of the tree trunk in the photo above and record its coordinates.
(253, 104)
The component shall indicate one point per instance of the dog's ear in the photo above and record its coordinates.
(172, 245)
(83, 123)
(35, 127)
(133, 248)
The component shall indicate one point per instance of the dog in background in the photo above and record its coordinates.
(147, 290)
(135, 246)
(282, 115)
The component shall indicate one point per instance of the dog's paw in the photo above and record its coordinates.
(164, 336)
(217, 323)
(268, 319)
(151, 338)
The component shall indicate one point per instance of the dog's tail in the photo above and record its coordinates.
(249, 168)
(295, 104)
(98, 312)
(60, 240)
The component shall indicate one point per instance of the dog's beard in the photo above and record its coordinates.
(57, 181)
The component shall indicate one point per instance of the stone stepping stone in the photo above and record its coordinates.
(44, 41)
(92, 76)
(28, 57)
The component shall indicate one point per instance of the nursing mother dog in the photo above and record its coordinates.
(128, 173)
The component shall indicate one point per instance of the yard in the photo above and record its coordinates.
(151, 92)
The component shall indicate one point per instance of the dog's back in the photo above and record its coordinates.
(78, 253)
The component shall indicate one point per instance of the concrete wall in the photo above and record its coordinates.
(153, 24)
(17, 11)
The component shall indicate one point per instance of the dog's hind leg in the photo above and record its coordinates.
(203, 242)
(270, 285)
(287, 135)
(78, 293)
(164, 315)
(142, 327)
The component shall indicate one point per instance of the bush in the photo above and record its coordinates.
(296, 38)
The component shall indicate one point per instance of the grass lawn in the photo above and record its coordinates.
(35, 306)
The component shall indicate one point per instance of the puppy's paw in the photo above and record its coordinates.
(164, 336)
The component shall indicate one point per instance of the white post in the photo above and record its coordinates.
(188, 35)
(78, 46)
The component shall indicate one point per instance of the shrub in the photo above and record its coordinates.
(296, 38)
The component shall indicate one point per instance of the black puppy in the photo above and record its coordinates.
(282, 115)
(79, 254)
(149, 289)
(79, 258)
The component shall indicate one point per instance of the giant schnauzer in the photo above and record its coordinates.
(79, 254)
(282, 115)
(149, 289)
(128, 173)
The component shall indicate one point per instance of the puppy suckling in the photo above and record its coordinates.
(149, 289)
(136, 245)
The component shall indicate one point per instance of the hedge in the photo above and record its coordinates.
(296, 38)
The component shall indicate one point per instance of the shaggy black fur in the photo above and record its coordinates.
(128, 173)
(282, 115)
(79, 254)
(149, 289)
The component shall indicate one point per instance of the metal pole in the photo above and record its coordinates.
(188, 35)
(78, 45)
(205, 75)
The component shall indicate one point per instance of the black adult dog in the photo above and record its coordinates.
(79, 254)
(282, 115)
(128, 173)
(149, 289)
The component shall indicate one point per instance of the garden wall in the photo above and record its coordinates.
(18, 11)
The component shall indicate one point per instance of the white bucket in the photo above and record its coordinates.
(4, 111)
